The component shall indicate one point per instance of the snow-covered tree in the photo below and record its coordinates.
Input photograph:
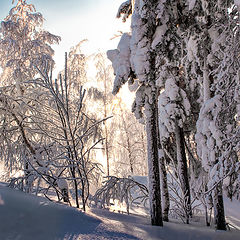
(103, 76)
(133, 59)
(125, 10)
(211, 44)
(47, 134)
(22, 150)
(23, 43)
(125, 190)
(76, 64)
(173, 103)
(65, 123)
(184, 61)
(130, 140)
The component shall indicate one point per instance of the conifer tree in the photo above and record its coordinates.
(133, 59)
(211, 41)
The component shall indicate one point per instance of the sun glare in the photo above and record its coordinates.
(101, 158)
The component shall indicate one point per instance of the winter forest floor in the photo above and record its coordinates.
(27, 217)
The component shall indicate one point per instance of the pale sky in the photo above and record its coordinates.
(75, 20)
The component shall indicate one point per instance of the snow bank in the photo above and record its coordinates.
(27, 217)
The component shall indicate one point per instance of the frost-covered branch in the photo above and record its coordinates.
(125, 190)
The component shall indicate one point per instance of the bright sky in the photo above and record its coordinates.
(75, 20)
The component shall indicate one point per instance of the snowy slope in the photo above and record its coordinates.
(24, 216)
(27, 217)
(232, 211)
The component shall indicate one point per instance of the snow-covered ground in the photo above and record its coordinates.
(27, 217)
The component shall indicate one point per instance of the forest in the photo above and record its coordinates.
(154, 135)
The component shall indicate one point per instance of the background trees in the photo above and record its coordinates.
(124, 137)
(130, 144)
(73, 131)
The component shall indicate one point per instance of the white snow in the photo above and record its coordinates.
(192, 49)
(237, 3)
(62, 184)
(191, 4)
(134, 86)
(27, 217)
(157, 38)
(170, 111)
(120, 62)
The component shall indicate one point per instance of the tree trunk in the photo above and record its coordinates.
(219, 215)
(64, 192)
(153, 166)
(83, 197)
(27, 174)
(163, 177)
(164, 187)
(206, 82)
(144, 153)
(107, 148)
(183, 170)
(75, 186)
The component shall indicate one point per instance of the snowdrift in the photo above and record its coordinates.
(27, 217)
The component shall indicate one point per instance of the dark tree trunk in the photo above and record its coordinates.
(75, 186)
(83, 197)
(153, 165)
(219, 215)
(163, 177)
(183, 170)
(164, 187)
(65, 195)
(27, 174)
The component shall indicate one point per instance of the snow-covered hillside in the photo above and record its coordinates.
(27, 217)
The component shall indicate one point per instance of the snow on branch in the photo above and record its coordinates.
(122, 189)
(120, 62)
(125, 10)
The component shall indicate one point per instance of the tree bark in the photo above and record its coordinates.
(163, 177)
(164, 187)
(219, 215)
(107, 148)
(183, 170)
(153, 165)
